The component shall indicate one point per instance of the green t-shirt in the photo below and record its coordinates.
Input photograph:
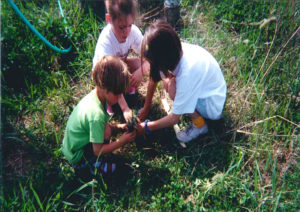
(86, 124)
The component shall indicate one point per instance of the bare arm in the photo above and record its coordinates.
(148, 101)
(103, 149)
(117, 128)
(136, 77)
(164, 122)
(124, 107)
(145, 67)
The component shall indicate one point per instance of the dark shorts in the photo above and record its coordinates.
(104, 167)
(85, 168)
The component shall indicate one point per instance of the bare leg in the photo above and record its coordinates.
(133, 64)
(195, 115)
(170, 86)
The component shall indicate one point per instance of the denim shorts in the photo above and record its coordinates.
(209, 109)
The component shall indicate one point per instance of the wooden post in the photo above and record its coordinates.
(172, 12)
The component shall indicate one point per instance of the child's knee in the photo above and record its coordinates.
(107, 132)
(165, 83)
(133, 64)
(170, 86)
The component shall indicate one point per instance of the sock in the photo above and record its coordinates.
(199, 122)
(131, 90)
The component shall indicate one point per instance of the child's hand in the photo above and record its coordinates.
(136, 78)
(127, 115)
(122, 126)
(140, 128)
(128, 136)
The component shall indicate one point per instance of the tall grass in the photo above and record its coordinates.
(263, 81)
(252, 163)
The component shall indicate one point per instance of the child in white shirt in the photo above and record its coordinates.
(191, 76)
(118, 38)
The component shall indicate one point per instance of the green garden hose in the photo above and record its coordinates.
(61, 51)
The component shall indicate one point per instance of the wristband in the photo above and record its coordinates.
(148, 132)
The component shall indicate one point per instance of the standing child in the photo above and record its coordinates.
(191, 76)
(87, 128)
(117, 38)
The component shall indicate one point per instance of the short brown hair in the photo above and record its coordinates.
(112, 74)
(161, 46)
(117, 8)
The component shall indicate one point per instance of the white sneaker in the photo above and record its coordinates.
(191, 132)
(131, 90)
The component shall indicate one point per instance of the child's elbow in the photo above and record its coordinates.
(98, 150)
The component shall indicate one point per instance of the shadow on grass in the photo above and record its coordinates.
(203, 158)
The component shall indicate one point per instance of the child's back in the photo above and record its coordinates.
(198, 76)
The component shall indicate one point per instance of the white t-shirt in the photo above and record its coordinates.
(108, 44)
(198, 76)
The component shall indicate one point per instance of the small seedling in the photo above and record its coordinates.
(133, 122)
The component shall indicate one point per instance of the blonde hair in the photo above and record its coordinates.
(112, 74)
(118, 8)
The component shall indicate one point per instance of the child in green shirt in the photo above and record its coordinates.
(87, 128)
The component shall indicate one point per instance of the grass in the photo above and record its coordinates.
(251, 163)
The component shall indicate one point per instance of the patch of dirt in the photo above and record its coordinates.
(16, 162)
(20, 159)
